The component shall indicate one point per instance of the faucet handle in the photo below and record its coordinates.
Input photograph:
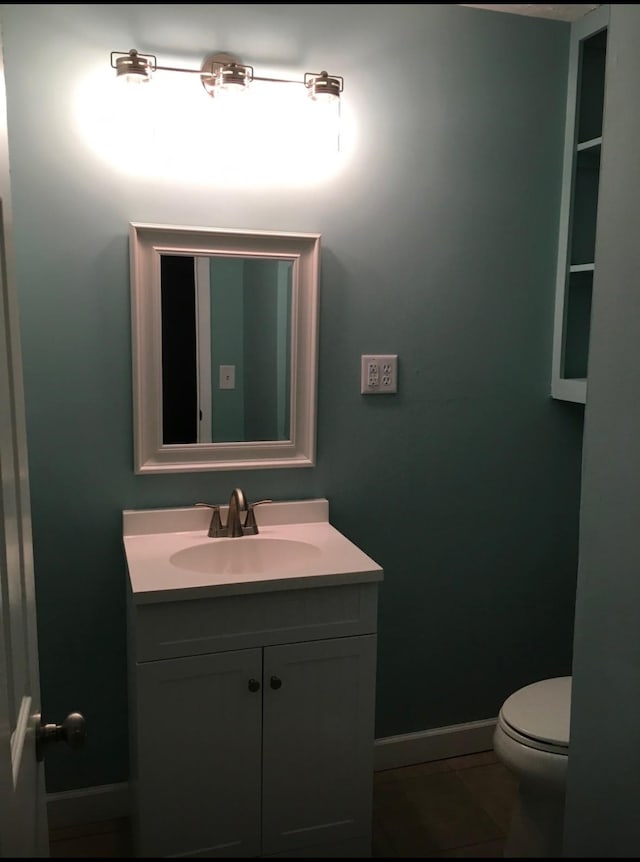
(250, 527)
(216, 529)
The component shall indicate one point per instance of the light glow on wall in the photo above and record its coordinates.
(170, 129)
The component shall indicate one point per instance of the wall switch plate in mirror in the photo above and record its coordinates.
(227, 377)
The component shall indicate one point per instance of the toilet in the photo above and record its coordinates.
(532, 740)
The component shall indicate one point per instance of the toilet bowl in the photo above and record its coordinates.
(532, 740)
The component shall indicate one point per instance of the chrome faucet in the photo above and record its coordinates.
(237, 504)
(235, 527)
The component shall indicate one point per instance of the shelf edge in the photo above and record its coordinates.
(570, 389)
(582, 267)
(589, 145)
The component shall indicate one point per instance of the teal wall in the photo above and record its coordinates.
(439, 245)
(227, 347)
(283, 358)
(261, 327)
(604, 775)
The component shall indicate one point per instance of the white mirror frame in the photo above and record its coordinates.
(147, 243)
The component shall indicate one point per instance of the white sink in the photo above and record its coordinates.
(171, 557)
(246, 555)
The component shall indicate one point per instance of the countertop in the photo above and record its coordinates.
(152, 537)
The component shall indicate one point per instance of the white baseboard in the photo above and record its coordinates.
(111, 801)
(391, 752)
(88, 805)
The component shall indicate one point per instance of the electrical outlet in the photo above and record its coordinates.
(378, 374)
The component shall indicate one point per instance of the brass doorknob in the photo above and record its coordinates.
(72, 731)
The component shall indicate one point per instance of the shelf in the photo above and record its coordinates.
(593, 51)
(579, 206)
(582, 267)
(570, 390)
(577, 325)
(584, 206)
(593, 144)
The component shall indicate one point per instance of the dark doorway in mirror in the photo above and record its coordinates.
(179, 350)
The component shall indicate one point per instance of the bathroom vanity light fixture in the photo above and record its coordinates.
(223, 73)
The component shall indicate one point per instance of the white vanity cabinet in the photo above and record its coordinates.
(252, 722)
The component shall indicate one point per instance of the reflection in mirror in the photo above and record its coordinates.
(226, 346)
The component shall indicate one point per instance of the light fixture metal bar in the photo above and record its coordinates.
(333, 84)
(277, 80)
(178, 69)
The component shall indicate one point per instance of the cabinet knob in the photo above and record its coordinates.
(254, 685)
(275, 682)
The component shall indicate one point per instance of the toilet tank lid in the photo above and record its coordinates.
(541, 710)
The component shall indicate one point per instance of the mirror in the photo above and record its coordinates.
(224, 327)
(226, 345)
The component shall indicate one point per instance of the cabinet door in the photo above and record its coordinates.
(198, 755)
(318, 737)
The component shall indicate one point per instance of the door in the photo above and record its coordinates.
(318, 736)
(23, 822)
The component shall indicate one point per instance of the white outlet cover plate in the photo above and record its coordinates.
(227, 377)
(379, 374)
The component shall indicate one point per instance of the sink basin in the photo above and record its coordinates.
(170, 557)
(246, 555)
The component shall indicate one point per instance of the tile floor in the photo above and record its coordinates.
(109, 838)
(456, 807)
(445, 808)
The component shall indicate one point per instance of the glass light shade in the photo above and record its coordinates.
(132, 79)
(324, 98)
(323, 87)
(223, 75)
(133, 69)
(232, 80)
(322, 120)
